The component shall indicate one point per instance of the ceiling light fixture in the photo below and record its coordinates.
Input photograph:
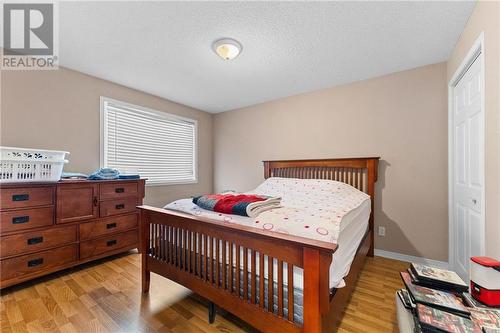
(227, 48)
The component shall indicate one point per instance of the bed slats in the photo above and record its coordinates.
(290, 295)
(280, 288)
(270, 289)
(261, 281)
(245, 273)
(237, 269)
(253, 279)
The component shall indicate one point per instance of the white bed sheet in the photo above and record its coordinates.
(352, 229)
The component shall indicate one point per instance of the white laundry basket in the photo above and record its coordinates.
(31, 165)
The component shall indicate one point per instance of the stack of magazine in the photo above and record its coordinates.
(438, 301)
(434, 320)
(429, 319)
(436, 278)
(487, 318)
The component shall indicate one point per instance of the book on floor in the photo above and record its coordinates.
(435, 298)
(436, 320)
(491, 330)
(405, 298)
(432, 285)
(486, 318)
(439, 278)
(416, 323)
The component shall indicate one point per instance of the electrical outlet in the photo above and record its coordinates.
(381, 231)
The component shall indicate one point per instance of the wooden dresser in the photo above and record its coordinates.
(47, 227)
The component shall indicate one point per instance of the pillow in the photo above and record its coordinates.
(311, 194)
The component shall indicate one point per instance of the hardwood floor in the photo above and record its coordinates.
(105, 297)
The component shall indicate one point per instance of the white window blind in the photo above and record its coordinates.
(159, 146)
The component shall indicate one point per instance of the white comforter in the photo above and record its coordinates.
(311, 208)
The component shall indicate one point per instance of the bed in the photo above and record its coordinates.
(249, 271)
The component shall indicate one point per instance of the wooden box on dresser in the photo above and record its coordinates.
(46, 227)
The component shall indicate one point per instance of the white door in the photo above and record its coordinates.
(468, 169)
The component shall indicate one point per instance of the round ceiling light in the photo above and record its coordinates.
(227, 48)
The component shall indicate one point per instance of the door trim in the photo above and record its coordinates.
(476, 52)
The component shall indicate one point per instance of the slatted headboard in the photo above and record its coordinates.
(353, 171)
(359, 172)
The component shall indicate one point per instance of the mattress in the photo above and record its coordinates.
(352, 229)
(351, 235)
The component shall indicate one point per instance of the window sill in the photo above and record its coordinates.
(183, 182)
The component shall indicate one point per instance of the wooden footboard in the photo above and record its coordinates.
(201, 255)
(247, 270)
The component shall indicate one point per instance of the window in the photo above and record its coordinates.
(159, 146)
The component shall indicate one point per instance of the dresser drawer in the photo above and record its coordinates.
(102, 245)
(33, 263)
(26, 197)
(29, 242)
(117, 190)
(115, 207)
(108, 226)
(26, 218)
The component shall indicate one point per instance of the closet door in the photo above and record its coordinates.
(468, 169)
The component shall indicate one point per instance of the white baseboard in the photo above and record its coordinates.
(405, 257)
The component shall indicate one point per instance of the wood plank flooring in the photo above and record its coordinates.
(105, 297)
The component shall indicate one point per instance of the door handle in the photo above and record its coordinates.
(35, 262)
(35, 240)
(20, 197)
(474, 201)
(20, 219)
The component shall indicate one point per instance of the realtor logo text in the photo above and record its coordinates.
(29, 36)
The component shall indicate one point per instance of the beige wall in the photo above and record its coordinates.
(401, 117)
(60, 110)
(486, 17)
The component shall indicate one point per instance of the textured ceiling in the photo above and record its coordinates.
(164, 48)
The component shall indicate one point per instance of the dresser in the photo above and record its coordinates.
(46, 227)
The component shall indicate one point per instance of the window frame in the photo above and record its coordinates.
(103, 145)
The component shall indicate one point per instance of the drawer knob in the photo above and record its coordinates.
(111, 242)
(20, 219)
(119, 190)
(110, 225)
(35, 262)
(120, 206)
(35, 240)
(20, 197)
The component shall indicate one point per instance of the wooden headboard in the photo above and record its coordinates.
(359, 172)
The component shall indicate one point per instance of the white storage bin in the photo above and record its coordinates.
(31, 165)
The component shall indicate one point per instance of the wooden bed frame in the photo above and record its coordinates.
(169, 241)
